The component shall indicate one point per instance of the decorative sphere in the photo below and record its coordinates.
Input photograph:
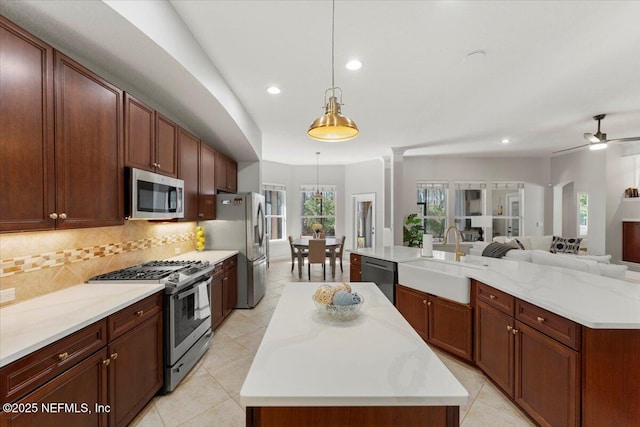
(343, 298)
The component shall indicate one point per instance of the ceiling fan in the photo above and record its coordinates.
(598, 140)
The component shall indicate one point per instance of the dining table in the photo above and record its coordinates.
(302, 243)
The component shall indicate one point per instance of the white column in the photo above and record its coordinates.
(397, 217)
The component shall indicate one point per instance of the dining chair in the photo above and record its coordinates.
(317, 255)
(294, 253)
(339, 251)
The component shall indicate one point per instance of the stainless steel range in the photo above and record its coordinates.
(187, 310)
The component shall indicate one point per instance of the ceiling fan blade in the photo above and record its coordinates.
(569, 149)
(591, 137)
(631, 138)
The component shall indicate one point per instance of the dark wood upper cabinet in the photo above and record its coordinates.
(88, 146)
(226, 173)
(207, 179)
(188, 157)
(27, 178)
(139, 134)
(151, 140)
(166, 146)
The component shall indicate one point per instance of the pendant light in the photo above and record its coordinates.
(318, 194)
(333, 126)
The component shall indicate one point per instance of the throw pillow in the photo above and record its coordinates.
(519, 243)
(565, 245)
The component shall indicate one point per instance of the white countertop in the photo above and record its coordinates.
(376, 359)
(33, 324)
(594, 301)
(390, 253)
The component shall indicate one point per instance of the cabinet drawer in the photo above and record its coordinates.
(229, 263)
(557, 327)
(133, 315)
(355, 259)
(26, 374)
(495, 298)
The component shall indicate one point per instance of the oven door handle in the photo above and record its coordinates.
(181, 295)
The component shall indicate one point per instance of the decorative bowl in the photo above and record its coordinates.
(339, 312)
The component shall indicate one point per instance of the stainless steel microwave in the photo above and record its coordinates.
(153, 196)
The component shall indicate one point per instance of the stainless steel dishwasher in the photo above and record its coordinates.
(383, 273)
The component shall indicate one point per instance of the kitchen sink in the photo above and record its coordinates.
(438, 278)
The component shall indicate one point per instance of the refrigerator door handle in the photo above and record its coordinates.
(260, 225)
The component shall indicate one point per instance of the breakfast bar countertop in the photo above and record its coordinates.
(376, 359)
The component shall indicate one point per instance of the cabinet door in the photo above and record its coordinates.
(207, 197)
(413, 306)
(166, 146)
(221, 171)
(89, 158)
(188, 166)
(232, 176)
(547, 378)
(494, 352)
(27, 180)
(450, 326)
(139, 134)
(230, 290)
(83, 388)
(355, 272)
(135, 371)
(217, 300)
(631, 241)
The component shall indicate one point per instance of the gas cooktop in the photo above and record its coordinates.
(169, 273)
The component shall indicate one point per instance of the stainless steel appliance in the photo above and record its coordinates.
(153, 196)
(187, 310)
(383, 273)
(240, 226)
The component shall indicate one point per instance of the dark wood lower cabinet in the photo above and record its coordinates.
(631, 241)
(547, 378)
(82, 388)
(413, 306)
(217, 300)
(494, 345)
(451, 326)
(355, 268)
(354, 416)
(135, 371)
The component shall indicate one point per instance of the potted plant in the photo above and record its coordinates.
(412, 231)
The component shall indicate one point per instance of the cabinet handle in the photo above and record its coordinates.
(492, 297)
(429, 303)
(509, 328)
(63, 356)
(540, 319)
(158, 165)
(200, 214)
(114, 356)
(63, 215)
(140, 313)
(424, 301)
(53, 215)
(514, 331)
(106, 362)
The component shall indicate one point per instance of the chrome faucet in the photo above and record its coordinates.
(458, 236)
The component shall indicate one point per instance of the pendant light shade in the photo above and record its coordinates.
(333, 126)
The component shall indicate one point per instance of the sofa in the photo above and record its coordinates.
(537, 250)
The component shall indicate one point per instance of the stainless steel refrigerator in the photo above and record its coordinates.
(240, 225)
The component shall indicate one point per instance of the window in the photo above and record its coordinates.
(432, 207)
(469, 203)
(275, 208)
(318, 210)
(583, 214)
(506, 208)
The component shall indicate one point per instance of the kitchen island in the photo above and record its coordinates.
(373, 370)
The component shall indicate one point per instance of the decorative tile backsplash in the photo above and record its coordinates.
(37, 263)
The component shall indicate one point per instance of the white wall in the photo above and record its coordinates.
(364, 178)
(587, 171)
(292, 177)
(620, 175)
(534, 172)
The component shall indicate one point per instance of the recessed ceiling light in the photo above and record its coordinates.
(505, 140)
(273, 90)
(354, 64)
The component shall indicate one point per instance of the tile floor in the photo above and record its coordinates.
(210, 394)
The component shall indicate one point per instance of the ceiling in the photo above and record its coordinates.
(548, 67)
